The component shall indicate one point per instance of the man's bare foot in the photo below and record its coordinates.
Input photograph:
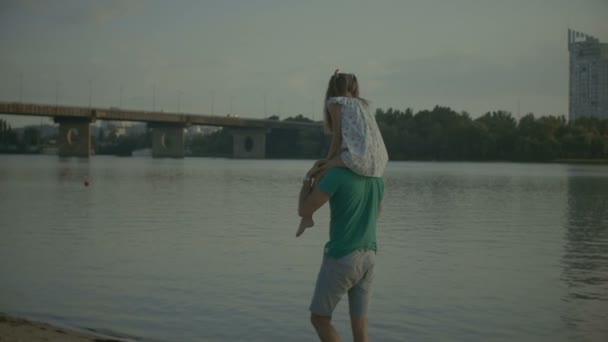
(305, 222)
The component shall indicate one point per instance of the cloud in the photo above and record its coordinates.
(298, 82)
(27, 6)
(459, 75)
(105, 10)
(100, 12)
(73, 12)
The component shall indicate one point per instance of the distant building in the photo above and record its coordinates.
(588, 95)
(116, 128)
(202, 130)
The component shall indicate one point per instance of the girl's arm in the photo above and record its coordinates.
(333, 156)
(335, 112)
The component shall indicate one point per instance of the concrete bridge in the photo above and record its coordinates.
(249, 135)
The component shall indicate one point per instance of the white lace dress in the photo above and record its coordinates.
(362, 149)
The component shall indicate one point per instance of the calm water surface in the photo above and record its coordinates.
(204, 250)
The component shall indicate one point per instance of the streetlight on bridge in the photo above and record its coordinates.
(179, 100)
(90, 93)
(21, 86)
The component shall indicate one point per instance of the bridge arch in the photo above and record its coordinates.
(249, 143)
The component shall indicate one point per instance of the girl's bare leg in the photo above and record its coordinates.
(305, 222)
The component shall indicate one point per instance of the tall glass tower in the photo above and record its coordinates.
(588, 96)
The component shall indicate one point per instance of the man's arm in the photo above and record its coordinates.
(311, 199)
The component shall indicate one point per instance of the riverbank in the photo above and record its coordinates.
(14, 329)
(582, 161)
(587, 161)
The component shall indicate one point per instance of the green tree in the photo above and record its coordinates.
(31, 136)
(501, 135)
(443, 134)
(216, 144)
(100, 136)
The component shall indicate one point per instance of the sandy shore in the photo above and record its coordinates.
(21, 330)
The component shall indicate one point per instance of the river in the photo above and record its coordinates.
(203, 249)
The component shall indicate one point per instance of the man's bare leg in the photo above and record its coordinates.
(324, 328)
(359, 326)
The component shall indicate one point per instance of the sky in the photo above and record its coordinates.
(256, 58)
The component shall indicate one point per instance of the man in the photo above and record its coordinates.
(348, 264)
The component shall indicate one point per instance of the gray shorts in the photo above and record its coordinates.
(352, 273)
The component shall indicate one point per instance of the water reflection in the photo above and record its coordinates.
(73, 169)
(585, 258)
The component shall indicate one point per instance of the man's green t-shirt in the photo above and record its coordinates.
(354, 204)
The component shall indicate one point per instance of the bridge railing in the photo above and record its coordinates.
(43, 110)
(117, 114)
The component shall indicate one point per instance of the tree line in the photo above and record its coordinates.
(437, 134)
(308, 143)
(7, 135)
(10, 142)
(444, 134)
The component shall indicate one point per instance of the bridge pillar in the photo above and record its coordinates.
(167, 140)
(74, 138)
(249, 143)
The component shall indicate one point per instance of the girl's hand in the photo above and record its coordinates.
(316, 168)
(319, 163)
(320, 168)
(331, 163)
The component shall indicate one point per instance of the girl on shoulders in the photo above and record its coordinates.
(356, 143)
